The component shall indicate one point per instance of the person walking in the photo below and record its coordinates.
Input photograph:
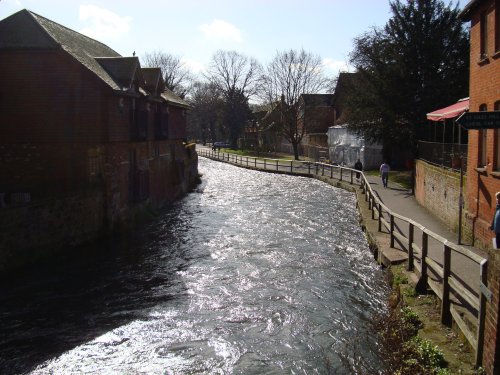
(384, 173)
(359, 167)
(495, 223)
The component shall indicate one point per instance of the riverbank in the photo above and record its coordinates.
(457, 352)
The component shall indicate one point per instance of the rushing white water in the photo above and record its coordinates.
(253, 273)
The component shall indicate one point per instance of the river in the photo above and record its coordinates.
(252, 273)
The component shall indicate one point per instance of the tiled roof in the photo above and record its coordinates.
(28, 30)
(170, 97)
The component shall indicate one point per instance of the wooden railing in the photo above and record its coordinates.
(463, 297)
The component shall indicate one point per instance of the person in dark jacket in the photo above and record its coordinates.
(359, 167)
(495, 223)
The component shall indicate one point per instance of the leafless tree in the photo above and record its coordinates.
(176, 74)
(289, 75)
(236, 76)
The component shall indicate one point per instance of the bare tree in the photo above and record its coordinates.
(176, 74)
(236, 76)
(289, 75)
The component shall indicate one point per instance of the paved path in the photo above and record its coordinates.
(401, 201)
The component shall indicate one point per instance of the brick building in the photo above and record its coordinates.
(88, 138)
(483, 168)
(316, 115)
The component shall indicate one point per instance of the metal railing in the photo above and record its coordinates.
(463, 297)
(450, 155)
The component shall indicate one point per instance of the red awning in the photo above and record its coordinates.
(451, 111)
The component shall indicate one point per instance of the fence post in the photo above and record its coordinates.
(422, 282)
(331, 171)
(277, 168)
(379, 217)
(481, 314)
(265, 164)
(316, 167)
(352, 178)
(341, 170)
(255, 160)
(445, 303)
(374, 206)
(291, 166)
(411, 231)
(308, 168)
(392, 231)
(247, 161)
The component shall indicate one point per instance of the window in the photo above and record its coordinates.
(497, 26)
(484, 36)
(497, 149)
(483, 140)
(496, 107)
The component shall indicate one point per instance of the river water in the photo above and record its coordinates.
(252, 273)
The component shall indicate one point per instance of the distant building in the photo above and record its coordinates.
(88, 138)
(316, 115)
(483, 169)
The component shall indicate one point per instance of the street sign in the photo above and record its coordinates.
(480, 120)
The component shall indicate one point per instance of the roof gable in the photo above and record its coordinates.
(28, 30)
(21, 30)
(123, 69)
(153, 79)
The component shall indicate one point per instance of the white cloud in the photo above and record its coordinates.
(219, 29)
(103, 23)
(336, 65)
(194, 66)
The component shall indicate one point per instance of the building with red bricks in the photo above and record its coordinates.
(316, 115)
(483, 168)
(88, 138)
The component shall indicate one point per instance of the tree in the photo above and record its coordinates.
(207, 103)
(177, 76)
(289, 75)
(236, 77)
(417, 62)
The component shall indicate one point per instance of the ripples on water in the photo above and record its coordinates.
(253, 273)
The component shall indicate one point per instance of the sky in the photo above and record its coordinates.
(194, 29)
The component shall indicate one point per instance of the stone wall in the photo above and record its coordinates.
(438, 190)
(30, 231)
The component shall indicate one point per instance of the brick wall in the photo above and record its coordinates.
(484, 73)
(438, 190)
(483, 181)
(491, 363)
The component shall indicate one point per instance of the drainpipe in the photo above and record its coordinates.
(460, 202)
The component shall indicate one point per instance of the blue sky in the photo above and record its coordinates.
(194, 29)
